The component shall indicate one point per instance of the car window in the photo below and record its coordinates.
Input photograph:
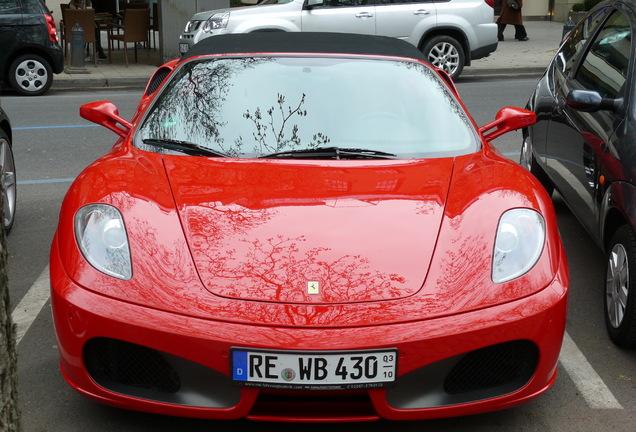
(403, 1)
(340, 3)
(573, 46)
(9, 7)
(251, 107)
(35, 7)
(606, 64)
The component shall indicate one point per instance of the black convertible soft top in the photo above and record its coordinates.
(299, 42)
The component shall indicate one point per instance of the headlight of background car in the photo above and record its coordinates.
(191, 26)
(518, 244)
(101, 236)
(217, 21)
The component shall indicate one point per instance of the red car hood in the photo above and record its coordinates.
(299, 232)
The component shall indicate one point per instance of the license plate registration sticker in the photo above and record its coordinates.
(314, 370)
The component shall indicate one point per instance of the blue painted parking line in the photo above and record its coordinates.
(46, 181)
(52, 127)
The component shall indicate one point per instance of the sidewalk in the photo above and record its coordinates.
(514, 59)
(511, 59)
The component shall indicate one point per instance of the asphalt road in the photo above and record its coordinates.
(595, 390)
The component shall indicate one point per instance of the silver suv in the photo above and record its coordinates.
(450, 33)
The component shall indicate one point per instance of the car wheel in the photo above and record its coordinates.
(529, 162)
(620, 302)
(30, 75)
(7, 182)
(445, 53)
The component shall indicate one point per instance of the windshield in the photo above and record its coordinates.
(260, 107)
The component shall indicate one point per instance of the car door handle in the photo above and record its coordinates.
(421, 12)
(364, 15)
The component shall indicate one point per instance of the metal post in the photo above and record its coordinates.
(568, 27)
(77, 47)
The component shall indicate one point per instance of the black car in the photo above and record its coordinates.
(7, 173)
(584, 146)
(30, 52)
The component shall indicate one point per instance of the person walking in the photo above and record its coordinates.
(510, 15)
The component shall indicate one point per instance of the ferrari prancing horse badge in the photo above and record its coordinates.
(313, 287)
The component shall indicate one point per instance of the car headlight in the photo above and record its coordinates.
(217, 21)
(518, 244)
(191, 26)
(101, 235)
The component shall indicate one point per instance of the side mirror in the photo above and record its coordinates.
(314, 3)
(105, 113)
(507, 120)
(249, 2)
(591, 101)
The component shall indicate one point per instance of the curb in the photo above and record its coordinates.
(99, 83)
(492, 74)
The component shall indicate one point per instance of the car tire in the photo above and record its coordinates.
(529, 162)
(445, 53)
(620, 283)
(30, 75)
(7, 182)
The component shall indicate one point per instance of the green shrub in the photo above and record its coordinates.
(578, 7)
(589, 4)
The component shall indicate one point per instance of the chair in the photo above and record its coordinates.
(135, 29)
(63, 8)
(142, 5)
(137, 5)
(86, 19)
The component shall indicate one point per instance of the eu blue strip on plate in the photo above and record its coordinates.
(239, 365)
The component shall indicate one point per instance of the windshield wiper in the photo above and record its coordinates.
(330, 153)
(183, 146)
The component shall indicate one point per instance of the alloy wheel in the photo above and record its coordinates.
(617, 285)
(8, 183)
(445, 56)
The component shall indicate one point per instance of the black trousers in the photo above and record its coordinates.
(520, 31)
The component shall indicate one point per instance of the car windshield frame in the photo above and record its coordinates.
(278, 123)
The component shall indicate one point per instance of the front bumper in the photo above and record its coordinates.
(144, 359)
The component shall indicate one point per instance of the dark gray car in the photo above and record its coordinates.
(584, 146)
(7, 173)
(30, 53)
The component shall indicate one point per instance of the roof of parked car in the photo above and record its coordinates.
(305, 42)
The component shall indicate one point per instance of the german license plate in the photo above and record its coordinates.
(314, 370)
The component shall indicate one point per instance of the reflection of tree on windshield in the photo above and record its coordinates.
(198, 104)
(191, 109)
(253, 107)
(279, 141)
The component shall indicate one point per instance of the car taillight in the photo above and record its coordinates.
(490, 3)
(50, 22)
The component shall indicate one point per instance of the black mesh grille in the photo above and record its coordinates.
(493, 366)
(159, 76)
(113, 361)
